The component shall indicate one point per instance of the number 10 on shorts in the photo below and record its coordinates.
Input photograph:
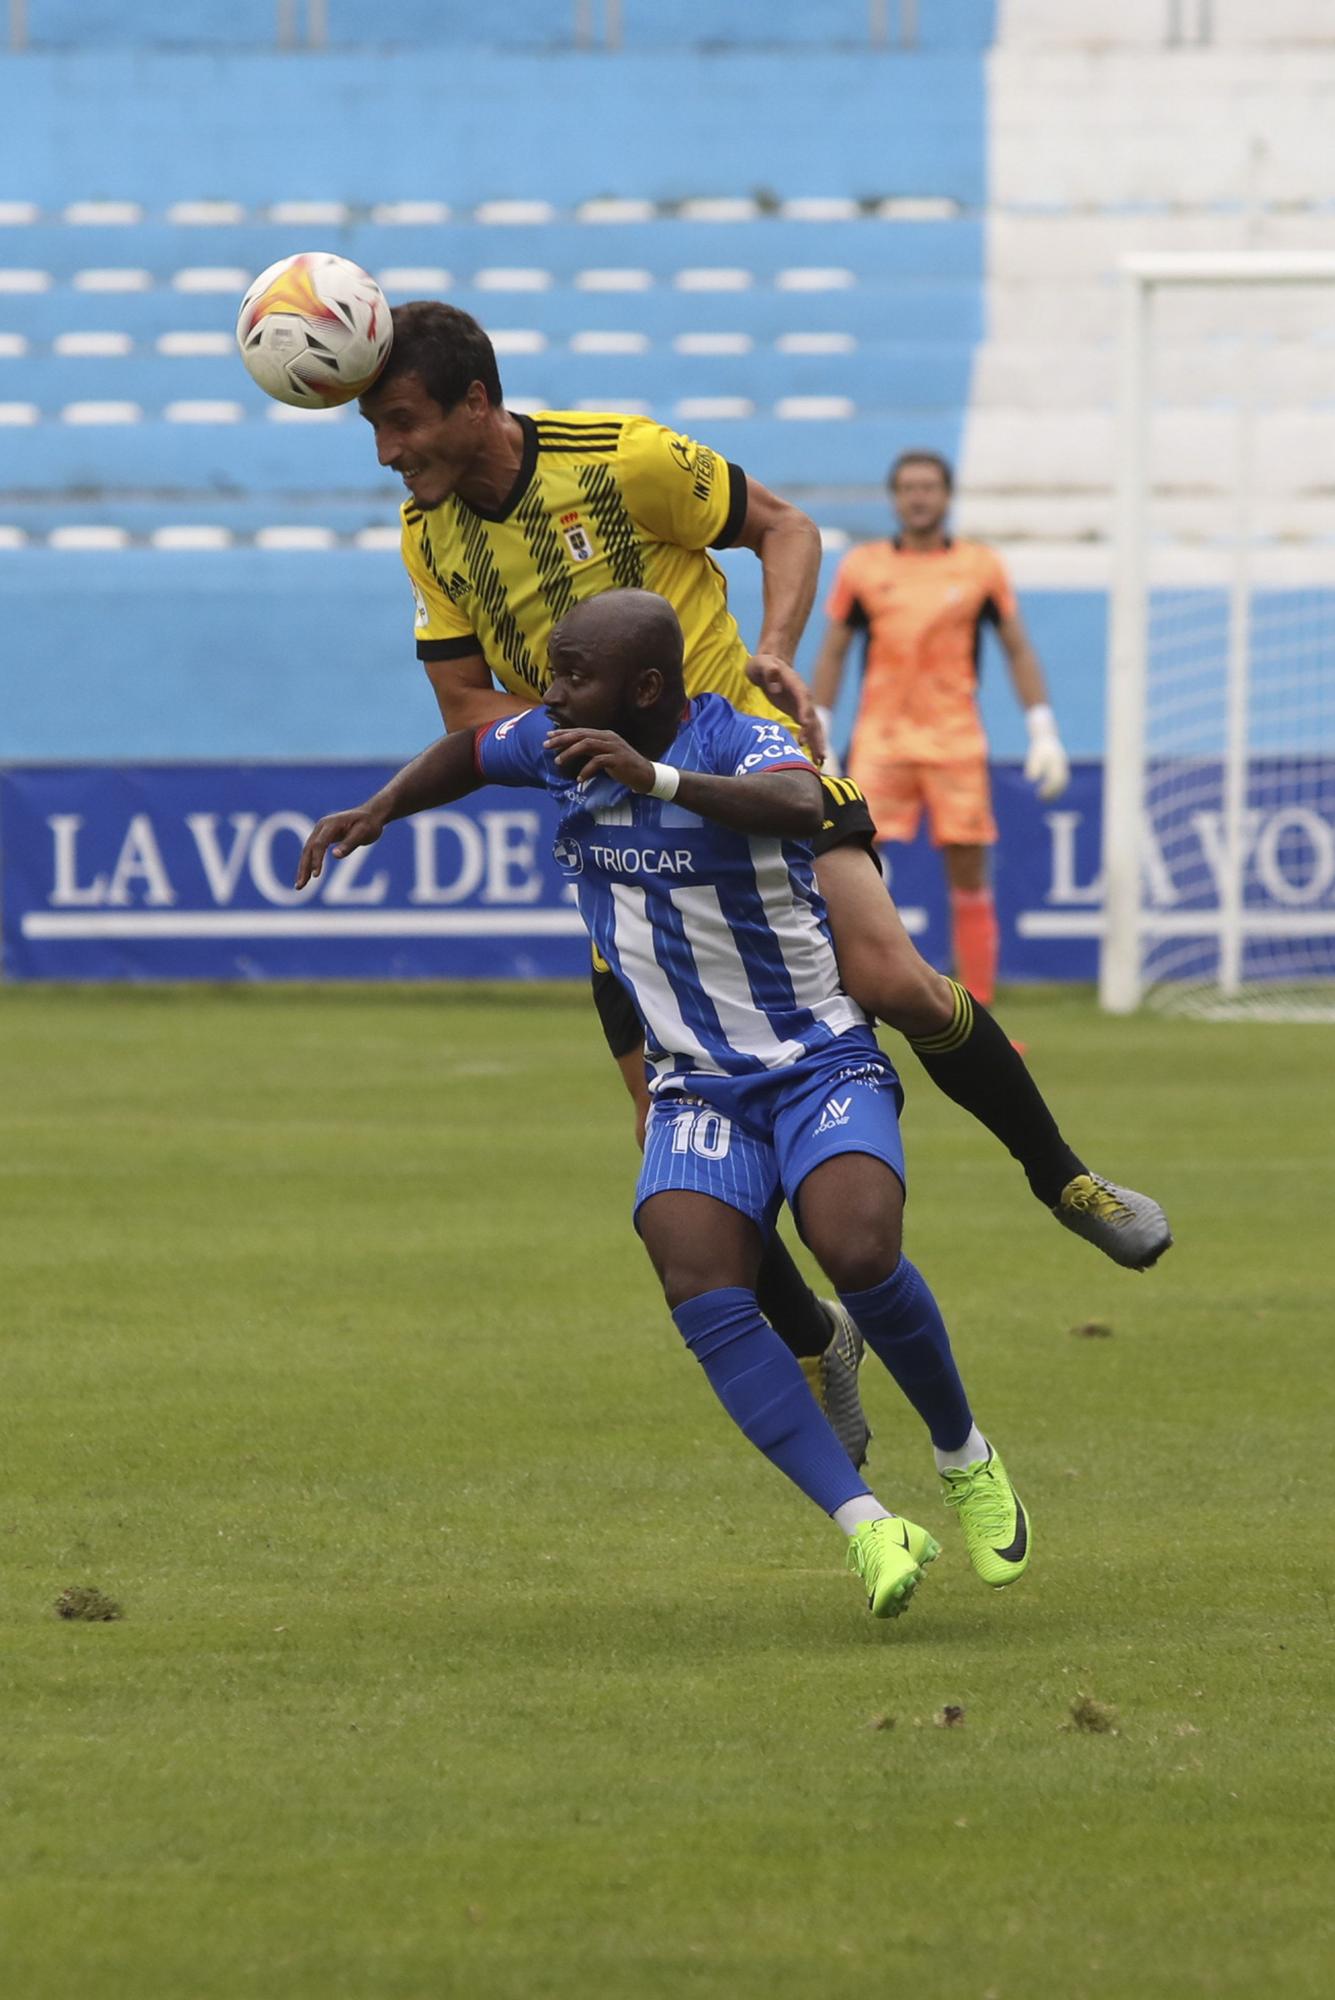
(707, 1133)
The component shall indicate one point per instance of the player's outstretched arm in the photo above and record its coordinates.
(787, 804)
(445, 771)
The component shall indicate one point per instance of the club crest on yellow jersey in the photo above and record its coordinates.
(576, 538)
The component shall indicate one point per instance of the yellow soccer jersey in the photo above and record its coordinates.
(601, 502)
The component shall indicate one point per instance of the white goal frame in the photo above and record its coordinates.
(1125, 922)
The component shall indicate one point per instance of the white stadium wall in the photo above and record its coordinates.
(1102, 142)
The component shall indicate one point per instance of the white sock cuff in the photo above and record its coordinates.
(974, 1448)
(863, 1507)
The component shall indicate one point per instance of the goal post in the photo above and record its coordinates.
(1219, 772)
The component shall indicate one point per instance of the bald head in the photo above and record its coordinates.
(616, 663)
(637, 628)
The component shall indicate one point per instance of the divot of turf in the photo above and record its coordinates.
(83, 1600)
(1094, 1718)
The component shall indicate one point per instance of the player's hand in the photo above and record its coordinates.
(342, 831)
(584, 753)
(1047, 767)
(780, 680)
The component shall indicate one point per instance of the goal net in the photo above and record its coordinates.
(1219, 804)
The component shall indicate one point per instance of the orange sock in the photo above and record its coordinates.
(976, 940)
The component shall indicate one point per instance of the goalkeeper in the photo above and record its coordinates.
(922, 599)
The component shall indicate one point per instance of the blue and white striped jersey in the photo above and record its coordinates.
(720, 936)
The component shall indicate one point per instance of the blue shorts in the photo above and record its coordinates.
(751, 1141)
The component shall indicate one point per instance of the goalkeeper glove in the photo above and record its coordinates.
(1047, 767)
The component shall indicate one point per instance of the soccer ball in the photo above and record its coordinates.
(314, 330)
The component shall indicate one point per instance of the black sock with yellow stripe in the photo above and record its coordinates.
(974, 1063)
(788, 1302)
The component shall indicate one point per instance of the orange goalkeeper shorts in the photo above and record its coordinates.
(957, 798)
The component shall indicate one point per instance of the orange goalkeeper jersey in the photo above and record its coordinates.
(923, 613)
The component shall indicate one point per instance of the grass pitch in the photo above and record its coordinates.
(464, 1648)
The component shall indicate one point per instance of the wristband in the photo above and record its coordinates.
(1040, 720)
(666, 780)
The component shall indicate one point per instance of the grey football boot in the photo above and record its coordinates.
(1128, 1227)
(833, 1380)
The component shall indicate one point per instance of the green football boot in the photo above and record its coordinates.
(996, 1526)
(890, 1556)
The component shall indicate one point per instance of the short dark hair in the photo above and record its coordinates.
(445, 348)
(905, 458)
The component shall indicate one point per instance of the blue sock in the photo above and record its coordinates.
(765, 1393)
(902, 1325)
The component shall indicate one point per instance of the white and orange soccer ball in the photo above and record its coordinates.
(314, 330)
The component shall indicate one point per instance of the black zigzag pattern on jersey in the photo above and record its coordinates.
(545, 550)
(429, 559)
(614, 526)
(490, 593)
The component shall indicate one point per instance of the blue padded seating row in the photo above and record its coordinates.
(186, 24)
(878, 377)
(874, 249)
(914, 310)
(269, 458)
(346, 514)
(519, 24)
